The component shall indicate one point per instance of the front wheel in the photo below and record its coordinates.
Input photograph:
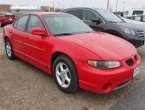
(9, 50)
(65, 74)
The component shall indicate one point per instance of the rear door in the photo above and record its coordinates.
(19, 35)
(35, 45)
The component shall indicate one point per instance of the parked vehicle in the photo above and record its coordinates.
(140, 11)
(78, 57)
(103, 20)
(6, 18)
(142, 24)
(140, 18)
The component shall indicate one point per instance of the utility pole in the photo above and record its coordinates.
(53, 5)
(116, 5)
(123, 5)
(107, 4)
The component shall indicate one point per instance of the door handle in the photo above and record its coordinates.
(11, 32)
(27, 37)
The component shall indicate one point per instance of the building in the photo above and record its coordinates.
(25, 9)
(5, 7)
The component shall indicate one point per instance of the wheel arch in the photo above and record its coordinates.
(56, 55)
(114, 33)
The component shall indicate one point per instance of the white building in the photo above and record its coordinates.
(24, 9)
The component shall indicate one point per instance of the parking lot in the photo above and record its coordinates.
(24, 87)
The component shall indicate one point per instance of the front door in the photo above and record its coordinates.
(88, 16)
(36, 46)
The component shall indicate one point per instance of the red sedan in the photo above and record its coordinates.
(6, 18)
(77, 57)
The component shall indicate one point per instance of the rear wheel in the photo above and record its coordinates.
(1, 25)
(65, 74)
(9, 49)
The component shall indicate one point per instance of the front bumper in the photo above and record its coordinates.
(105, 81)
(136, 40)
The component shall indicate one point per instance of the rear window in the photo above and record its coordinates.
(9, 14)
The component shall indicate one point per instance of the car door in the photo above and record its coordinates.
(35, 45)
(88, 16)
(19, 35)
(76, 12)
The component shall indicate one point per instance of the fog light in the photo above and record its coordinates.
(106, 88)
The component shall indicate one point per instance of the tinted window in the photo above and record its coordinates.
(34, 22)
(21, 25)
(89, 15)
(77, 13)
(137, 12)
(143, 19)
(137, 18)
(15, 24)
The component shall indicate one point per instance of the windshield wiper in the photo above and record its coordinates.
(63, 34)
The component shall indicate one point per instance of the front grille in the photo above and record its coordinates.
(140, 34)
(129, 62)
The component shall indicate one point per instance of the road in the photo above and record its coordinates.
(24, 87)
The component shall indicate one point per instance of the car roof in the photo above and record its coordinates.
(6, 13)
(84, 8)
(46, 13)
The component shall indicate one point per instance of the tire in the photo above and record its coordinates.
(65, 74)
(1, 25)
(9, 50)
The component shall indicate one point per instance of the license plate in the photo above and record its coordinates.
(136, 71)
(10, 19)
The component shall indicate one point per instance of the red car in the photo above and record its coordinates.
(6, 18)
(77, 57)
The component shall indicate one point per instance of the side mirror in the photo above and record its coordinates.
(39, 31)
(96, 20)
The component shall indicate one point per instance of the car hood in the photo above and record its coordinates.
(137, 27)
(106, 46)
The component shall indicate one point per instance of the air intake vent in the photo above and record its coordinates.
(129, 62)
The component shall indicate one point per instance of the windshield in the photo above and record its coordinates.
(64, 24)
(107, 15)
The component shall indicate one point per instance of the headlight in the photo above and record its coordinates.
(130, 31)
(104, 64)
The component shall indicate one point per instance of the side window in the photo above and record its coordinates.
(137, 18)
(143, 19)
(22, 22)
(77, 13)
(89, 15)
(15, 24)
(34, 22)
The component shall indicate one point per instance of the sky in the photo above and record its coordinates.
(129, 4)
